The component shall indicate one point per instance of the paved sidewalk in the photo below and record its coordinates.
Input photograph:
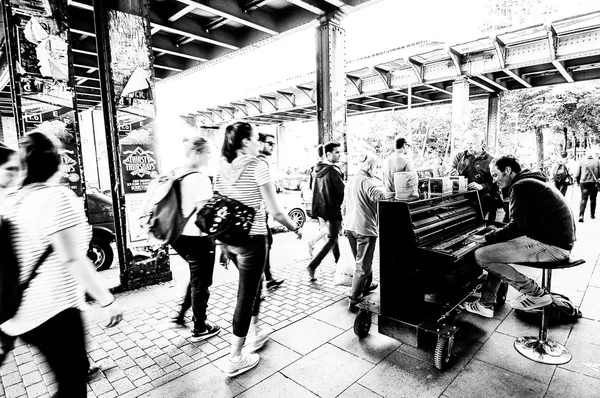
(314, 351)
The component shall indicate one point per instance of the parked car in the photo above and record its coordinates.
(293, 182)
(292, 204)
(101, 218)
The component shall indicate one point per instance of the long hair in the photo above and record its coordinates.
(194, 144)
(234, 134)
(40, 157)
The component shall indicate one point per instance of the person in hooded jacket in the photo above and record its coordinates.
(560, 173)
(541, 228)
(244, 178)
(328, 196)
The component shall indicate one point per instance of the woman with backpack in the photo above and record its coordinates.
(9, 168)
(193, 246)
(48, 220)
(242, 177)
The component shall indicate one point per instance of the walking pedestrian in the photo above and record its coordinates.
(322, 233)
(244, 177)
(267, 144)
(360, 208)
(194, 246)
(9, 167)
(328, 195)
(587, 177)
(560, 173)
(48, 219)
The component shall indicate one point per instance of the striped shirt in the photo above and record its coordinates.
(45, 210)
(247, 190)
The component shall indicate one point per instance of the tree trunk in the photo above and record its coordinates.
(539, 141)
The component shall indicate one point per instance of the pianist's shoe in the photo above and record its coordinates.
(477, 308)
(527, 302)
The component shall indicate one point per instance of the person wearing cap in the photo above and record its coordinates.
(396, 162)
(360, 210)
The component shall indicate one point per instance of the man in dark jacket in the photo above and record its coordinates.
(587, 176)
(541, 228)
(474, 164)
(328, 195)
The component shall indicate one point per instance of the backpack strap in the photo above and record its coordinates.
(177, 186)
(23, 286)
(587, 164)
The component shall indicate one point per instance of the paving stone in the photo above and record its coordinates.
(37, 390)
(134, 373)
(569, 384)
(15, 391)
(135, 352)
(122, 386)
(11, 379)
(101, 386)
(358, 391)
(142, 381)
(114, 374)
(182, 359)
(32, 378)
(306, 335)
(277, 386)
(28, 367)
(480, 379)
(373, 348)
(144, 361)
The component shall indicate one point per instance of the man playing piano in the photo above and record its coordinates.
(474, 165)
(541, 228)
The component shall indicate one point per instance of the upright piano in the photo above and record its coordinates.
(427, 254)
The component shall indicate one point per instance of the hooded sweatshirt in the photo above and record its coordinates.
(328, 192)
(537, 210)
(241, 180)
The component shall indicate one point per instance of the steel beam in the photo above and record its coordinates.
(517, 77)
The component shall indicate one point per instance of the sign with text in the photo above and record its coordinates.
(138, 166)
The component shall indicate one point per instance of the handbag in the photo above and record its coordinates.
(226, 219)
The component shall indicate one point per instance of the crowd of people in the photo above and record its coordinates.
(50, 227)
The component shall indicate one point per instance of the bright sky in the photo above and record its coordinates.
(384, 25)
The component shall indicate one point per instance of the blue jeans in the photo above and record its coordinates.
(334, 228)
(250, 262)
(363, 249)
(199, 252)
(496, 259)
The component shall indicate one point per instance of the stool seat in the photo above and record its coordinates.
(568, 263)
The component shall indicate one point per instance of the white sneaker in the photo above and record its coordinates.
(527, 302)
(244, 363)
(477, 308)
(255, 342)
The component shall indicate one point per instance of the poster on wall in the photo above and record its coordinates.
(139, 167)
(42, 73)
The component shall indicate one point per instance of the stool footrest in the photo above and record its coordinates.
(543, 351)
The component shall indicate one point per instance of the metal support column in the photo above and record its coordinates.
(126, 72)
(331, 80)
(460, 111)
(493, 123)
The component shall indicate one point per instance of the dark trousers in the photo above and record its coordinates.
(588, 190)
(199, 252)
(334, 228)
(61, 340)
(363, 251)
(250, 262)
(561, 187)
(268, 275)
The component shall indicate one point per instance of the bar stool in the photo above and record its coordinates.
(540, 349)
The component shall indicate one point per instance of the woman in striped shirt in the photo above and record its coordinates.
(46, 215)
(244, 178)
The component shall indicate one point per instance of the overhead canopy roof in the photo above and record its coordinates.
(187, 33)
(563, 51)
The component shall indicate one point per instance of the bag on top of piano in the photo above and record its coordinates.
(406, 184)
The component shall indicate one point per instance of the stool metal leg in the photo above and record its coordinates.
(540, 349)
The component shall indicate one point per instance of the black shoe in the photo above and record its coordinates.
(353, 307)
(580, 219)
(593, 217)
(179, 321)
(274, 283)
(92, 370)
(209, 331)
(370, 288)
